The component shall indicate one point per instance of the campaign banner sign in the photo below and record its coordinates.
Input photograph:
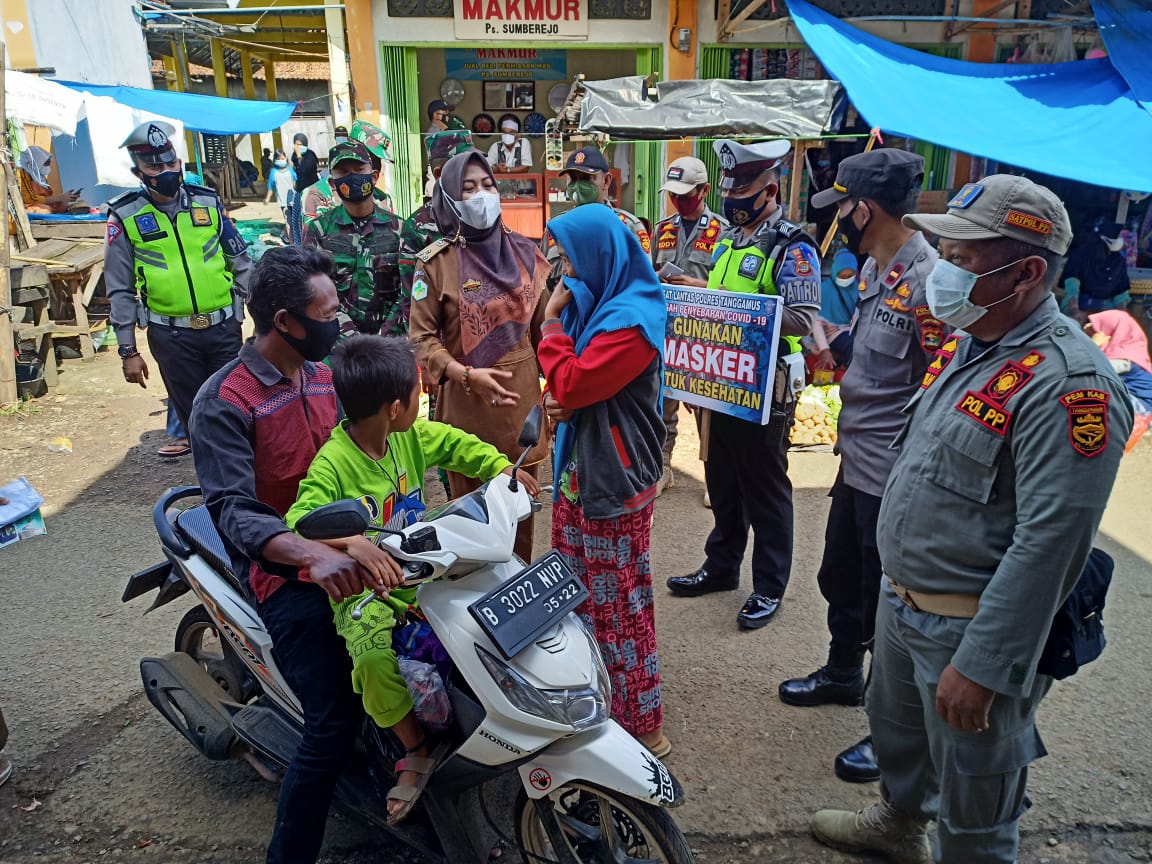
(506, 64)
(520, 19)
(720, 350)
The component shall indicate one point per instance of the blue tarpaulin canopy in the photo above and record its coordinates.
(1126, 26)
(212, 115)
(1078, 120)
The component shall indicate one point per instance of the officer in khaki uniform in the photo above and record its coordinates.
(363, 237)
(687, 241)
(747, 467)
(1005, 467)
(174, 263)
(895, 337)
(590, 182)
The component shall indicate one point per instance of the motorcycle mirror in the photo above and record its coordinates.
(333, 521)
(530, 431)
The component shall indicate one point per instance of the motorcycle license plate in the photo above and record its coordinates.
(529, 603)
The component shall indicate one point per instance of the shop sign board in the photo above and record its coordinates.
(506, 64)
(720, 350)
(508, 20)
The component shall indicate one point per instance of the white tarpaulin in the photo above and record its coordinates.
(93, 160)
(35, 100)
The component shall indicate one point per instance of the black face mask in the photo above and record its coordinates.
(166, 183)
(319, 337)
(353, 187)
(850, 234)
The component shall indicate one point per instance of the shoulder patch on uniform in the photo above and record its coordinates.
(931, 328)
(1010, 379)
(985, 412)
(419, 289)
(433, 249)
(1087, 420)
(114, 231)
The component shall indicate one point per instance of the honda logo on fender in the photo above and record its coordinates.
(521, 19)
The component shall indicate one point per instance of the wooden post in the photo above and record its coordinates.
(363, 57)
(270, 92)
(795, 182)
(250, 93)
(7, 341)
(180, 64)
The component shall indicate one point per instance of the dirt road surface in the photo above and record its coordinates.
(100, 776)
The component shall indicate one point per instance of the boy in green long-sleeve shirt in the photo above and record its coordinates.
(379, 454)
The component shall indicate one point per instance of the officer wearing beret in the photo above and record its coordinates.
(363, 237)
(174, 263)
(1006, 463)
(687, 240)
(747, 468)
(895, 337)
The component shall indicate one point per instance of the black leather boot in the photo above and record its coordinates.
(840, 682)
(857, 764)
(701, 582)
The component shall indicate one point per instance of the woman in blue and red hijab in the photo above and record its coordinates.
(601, 352)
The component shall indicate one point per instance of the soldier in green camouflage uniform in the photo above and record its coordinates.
(320, 196)
(420, 228)
(364, 239)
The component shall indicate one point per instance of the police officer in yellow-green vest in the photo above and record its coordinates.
(747, 469)
(175, 264)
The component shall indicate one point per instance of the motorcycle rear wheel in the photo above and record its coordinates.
(197, 636)
(641, 833)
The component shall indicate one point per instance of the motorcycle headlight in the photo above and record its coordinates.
(581, 709)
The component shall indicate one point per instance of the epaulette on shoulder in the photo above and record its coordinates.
(124, 198)
(433, 249)
(194, 189)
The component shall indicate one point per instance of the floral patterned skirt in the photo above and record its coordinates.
(611, 557)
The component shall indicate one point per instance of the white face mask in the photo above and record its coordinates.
(949, 288)
(508, 139)
(481, 211)
(1114, 244)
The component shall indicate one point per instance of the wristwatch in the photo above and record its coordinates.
(127, 352)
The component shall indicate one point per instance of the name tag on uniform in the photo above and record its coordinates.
(201, 216)
(750, 265)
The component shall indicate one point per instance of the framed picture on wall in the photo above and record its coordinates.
(509, 95)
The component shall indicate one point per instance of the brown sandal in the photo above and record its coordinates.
(422, 766)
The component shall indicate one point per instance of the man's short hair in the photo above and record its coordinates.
(898, 206)
(370, 372)
(281, 281)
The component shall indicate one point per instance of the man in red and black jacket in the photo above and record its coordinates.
(256, 425)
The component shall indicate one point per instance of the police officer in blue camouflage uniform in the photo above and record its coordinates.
(1006, 464)
(747, 467)
(686, 240)
(174, 263)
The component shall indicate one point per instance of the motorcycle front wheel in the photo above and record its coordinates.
(638, 832)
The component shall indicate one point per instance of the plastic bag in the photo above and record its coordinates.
(429, 696)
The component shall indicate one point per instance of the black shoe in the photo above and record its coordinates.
(857, 764)
(757, 611)
(821, 688)
(699, 583)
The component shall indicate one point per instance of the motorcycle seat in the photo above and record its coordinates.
(196, 527)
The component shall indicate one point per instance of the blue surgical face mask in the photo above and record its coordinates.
(281, 163)
(949, 289)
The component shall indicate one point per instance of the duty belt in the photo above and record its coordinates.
(945, 605)
(199, 321)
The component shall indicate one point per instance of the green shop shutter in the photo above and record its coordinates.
(401, 110)
(715, 62)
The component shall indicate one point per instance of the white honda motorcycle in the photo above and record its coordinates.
(535, 756)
